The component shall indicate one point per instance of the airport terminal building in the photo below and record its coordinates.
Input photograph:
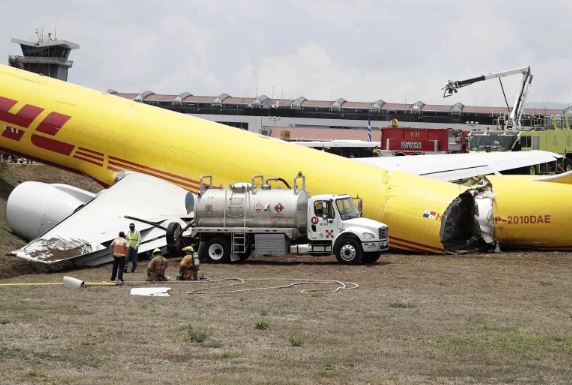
(305, 119)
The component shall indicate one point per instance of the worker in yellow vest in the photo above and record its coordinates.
(118, 248)
(133, 240)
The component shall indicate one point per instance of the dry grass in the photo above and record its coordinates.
(484, 319)
(493, 319)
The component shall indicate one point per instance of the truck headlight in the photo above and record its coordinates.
(369, 235)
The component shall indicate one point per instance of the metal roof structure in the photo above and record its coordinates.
(338, 110)
(340, 104)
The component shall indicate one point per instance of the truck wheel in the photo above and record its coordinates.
(567, 165)
(244, 256)
(215, 250)
(349, 252)
(174, 238)
(371, 257)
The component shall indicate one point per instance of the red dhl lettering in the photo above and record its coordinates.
(22, 118)
(13, 133)
(50, 125)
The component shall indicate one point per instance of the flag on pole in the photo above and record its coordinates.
(369, 129)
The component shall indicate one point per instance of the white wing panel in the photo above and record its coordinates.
(452, 167)
(83, 236)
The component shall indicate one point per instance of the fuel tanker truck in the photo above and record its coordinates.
(268, 217)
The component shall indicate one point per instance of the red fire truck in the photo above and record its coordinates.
(397, 141)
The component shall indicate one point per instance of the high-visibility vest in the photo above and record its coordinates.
(133, 239)
(119, 247)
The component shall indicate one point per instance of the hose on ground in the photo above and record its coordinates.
(226, 286)
(223, 289)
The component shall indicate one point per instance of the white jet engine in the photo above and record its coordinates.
(35, 207)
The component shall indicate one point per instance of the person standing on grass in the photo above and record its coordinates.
(119, 250)
(133, 240)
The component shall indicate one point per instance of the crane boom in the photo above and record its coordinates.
(452, 87)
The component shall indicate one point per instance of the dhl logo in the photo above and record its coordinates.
(43, 138)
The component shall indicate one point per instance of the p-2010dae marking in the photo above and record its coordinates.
(525, 219)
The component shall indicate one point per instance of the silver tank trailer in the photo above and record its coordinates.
(245, 205)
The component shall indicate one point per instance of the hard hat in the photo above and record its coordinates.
(157, 251)
(188, 249)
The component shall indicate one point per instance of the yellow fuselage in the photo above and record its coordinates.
(100, 135)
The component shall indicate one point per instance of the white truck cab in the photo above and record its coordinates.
(335, 219)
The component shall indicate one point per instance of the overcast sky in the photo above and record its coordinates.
(357, 50)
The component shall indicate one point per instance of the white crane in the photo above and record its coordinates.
(516, 113)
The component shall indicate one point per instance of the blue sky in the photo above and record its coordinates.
(358, 50)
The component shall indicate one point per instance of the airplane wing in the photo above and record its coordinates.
(83, 237)
(451, 167)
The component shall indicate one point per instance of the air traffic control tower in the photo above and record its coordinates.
(45, 56)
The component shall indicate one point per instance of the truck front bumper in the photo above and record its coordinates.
(369, 247)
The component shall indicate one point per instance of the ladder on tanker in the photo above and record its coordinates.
(238, 243)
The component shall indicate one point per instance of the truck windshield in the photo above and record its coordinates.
(491, 142)
(347, 209)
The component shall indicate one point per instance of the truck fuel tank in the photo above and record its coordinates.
(243, 205)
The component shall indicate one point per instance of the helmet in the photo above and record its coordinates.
(188, 249)
(157, 251)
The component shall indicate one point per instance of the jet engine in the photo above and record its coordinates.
(35, 207)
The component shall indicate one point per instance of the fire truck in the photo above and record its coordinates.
(396, 141)
(553, 134)
(256, 218)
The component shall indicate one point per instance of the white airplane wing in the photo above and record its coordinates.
(451, 167)
(84, 236)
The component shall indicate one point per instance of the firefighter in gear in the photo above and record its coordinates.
(119, 250)
(394, 123)
(189, 266)
(157, 267)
